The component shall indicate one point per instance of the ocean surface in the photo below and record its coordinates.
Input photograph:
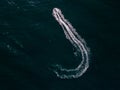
(31, 40)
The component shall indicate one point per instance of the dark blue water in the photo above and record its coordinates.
(31, 41)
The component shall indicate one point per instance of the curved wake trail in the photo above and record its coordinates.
(79, 45)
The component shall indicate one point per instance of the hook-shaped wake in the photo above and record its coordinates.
(79, 45)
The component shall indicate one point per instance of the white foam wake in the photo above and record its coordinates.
(79, 45)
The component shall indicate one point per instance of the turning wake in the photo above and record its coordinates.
(79, 45)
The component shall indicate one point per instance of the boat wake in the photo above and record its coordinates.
(79, 44)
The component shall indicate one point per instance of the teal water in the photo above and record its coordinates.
(31, 40)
